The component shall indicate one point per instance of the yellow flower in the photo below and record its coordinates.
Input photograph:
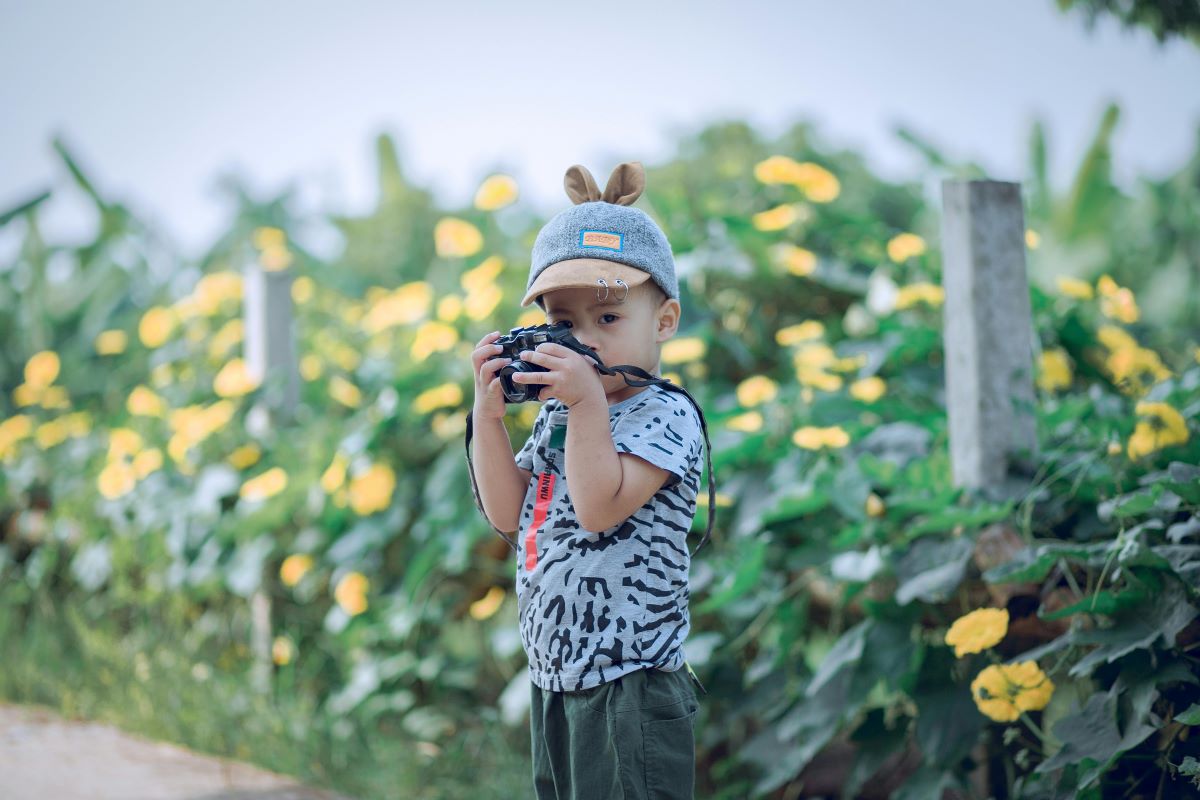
(303, 289)
(1032, 239)
(455, 237)
(234, 379)
(1135, 369)
(1054, 372)
(1163, 426)
(805, 331)
(268, 484)
(487, 605)
(482, 302)
(756, 390)
(722, 499)
(433, 337)
(41, 369)
(449, 308)
(1115, 338)
(156, 326)
(530, 318)
(810, 362)
(904, 246)
(26, 395)
(55, 397)
(345, 392)
(796, 260)
(814, 438)
(51, 433)
(749, 422)
(496, 192)
(275, 259)
(1003, 691)
(351, 593)
(977, 631)
(310, 367)
(1116, 302)
(405, 305)
(688, 348)
(447, 426)
(295, 567)
(123, 442)
(215, 289)
(777, 169)
(111, 342)
(335, 474)
(266, 237)
(875, 506)
(869, 389)
(230, 334)
(116, 479)
(143, 402)
(372, 490)
(13, 430)
(776, 218)
(447, 395)
(931, 294)
(818, 183)
(1073, 287)
(245, 456)
(1114, 448)
(147, 462)
(283, 651)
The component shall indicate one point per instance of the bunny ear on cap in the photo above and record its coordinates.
(580, 185)
(625, 184)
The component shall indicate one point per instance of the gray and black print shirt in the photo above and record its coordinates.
(594, 606)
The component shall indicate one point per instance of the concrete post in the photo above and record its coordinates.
(270, 343)
(988, 331)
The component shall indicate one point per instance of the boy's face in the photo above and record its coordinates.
(628, 332)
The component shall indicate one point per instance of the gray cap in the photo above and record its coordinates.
(602, 241)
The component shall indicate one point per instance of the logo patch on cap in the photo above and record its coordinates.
(604, 240)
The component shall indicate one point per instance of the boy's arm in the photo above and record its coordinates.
(606, 486)
(502, 484)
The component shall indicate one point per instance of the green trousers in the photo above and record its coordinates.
(629, 739)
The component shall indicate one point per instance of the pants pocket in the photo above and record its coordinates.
(670, 748)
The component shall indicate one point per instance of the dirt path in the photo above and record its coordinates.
(44, 756)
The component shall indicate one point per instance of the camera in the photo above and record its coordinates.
(516, 341)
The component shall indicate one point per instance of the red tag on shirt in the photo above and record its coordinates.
(545, 493)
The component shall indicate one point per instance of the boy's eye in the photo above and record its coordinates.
(614, 316)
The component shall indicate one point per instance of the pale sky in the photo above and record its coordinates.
(159, 98)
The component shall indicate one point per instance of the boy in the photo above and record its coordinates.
(602, 572)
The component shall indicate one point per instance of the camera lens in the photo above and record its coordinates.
(519, 392)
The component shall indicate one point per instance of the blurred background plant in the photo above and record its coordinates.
(147, 495)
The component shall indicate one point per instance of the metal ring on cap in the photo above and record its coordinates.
(626, 285)
(603, 283)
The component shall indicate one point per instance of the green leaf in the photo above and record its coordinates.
(844, 655)
(932, 569)
(1034, 563)
(949, 519)
(1104, 602)
(748, 572)
(1092, 734)
(1191, 716)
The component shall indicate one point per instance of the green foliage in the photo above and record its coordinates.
(1164, 18)
(842, 551)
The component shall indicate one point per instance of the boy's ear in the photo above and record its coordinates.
(580, 185)
(668, 319)
(625, 184)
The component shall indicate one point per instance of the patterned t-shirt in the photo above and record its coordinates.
(596, 606)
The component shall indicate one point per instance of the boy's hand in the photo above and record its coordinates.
(489, 394)
(571, 378)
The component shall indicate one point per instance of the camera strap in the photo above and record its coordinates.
(644, 379)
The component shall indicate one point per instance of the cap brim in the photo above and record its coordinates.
(584, 273)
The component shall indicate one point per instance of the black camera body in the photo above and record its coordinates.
(516, 341)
